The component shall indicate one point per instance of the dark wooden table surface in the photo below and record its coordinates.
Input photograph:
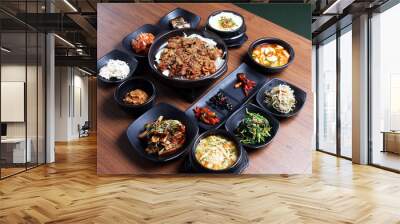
(288, 153)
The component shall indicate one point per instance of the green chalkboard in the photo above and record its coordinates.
(294, 17)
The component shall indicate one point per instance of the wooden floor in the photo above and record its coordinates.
(69, 191)
(387, 159)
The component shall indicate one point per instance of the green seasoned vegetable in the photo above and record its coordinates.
(253, 129)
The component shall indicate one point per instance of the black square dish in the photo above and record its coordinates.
(234, 94)
(169, 112)
(299, 95)
(234, 120)
(165, 21)
(116, 54)
(147, 28)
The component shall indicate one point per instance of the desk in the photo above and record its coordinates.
(391, 141)
(13, 150)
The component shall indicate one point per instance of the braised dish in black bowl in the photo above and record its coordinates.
(270, 55)
(162, 133)
(217, 151)
(135, 95)
(188, 58)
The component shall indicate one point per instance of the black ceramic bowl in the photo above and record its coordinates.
(116, 54)
(147, 28)
(169, 112)
(234, 39)
(226, 34)
(189, 17)
(234, 120)
(223, 133)
(269, 40)
(132, 84)
(237, 42)
(299, 94)
(185, 83)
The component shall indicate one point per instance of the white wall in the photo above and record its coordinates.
(33, 126)
(70, 84)
(16, 73)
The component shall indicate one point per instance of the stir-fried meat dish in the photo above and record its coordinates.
(189, 58)
(163, 137)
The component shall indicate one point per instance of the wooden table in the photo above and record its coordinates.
(288, 153)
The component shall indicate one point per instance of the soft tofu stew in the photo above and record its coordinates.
(271, 55)
(216, 152)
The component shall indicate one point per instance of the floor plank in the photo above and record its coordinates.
(69, 191)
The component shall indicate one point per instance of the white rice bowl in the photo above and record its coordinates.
(115, 69)
(210, 43)
(214, 21)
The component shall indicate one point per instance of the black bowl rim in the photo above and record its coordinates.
(212, 76)
(130, 74)
(174, 155)
(277, 113)
(225, 32)
(267, 40)
(155, 35)
(270, 116)
(182, 9)
(217, 132)
(149, 101)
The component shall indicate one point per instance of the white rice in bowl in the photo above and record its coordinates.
(115, 69)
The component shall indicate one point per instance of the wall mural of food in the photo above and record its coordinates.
(243, 99)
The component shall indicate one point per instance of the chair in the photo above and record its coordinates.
(84, 130)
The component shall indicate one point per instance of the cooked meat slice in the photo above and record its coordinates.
(188, 58)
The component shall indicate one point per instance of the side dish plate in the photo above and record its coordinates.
(299, 94)
(235, 95)
(169, 112)
(234, 120)
(165, 21)
(147, 28)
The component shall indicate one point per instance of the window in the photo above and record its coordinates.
(346, 95)
(22, 78)
(385, 89)
(326, 101)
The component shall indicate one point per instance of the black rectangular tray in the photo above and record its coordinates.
(235, 96)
